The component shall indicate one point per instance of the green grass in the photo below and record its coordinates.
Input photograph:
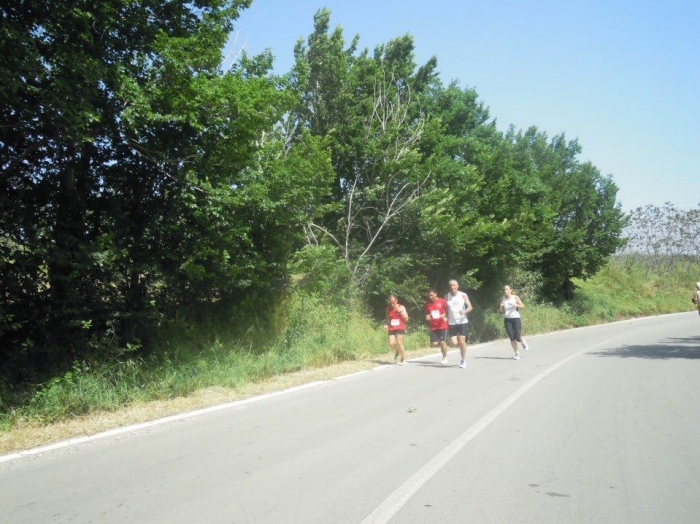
(617, 292)
(306, 331)
(309, 333)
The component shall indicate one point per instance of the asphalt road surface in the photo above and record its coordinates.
(592, 425)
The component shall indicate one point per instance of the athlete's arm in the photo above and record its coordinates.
(518, 302)
(469, 304)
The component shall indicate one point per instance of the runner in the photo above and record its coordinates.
(458, 306)
(436, 315)
(396, 317)
(510, 306)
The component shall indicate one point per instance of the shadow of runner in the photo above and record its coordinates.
(382, 362)
(434, 364)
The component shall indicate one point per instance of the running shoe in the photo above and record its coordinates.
(516, 356)
(444, 361)
(525, 346)
(400, 362)
(463, 364)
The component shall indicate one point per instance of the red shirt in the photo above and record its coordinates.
(396, 321)
(438, 313)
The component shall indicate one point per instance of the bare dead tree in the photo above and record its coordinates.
(233, 55)
(388, 123)
(662, 237)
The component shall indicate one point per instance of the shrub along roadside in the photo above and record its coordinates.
(312, 333)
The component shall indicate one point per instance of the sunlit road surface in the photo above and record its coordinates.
(592, 425)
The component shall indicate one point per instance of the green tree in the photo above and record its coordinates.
(367, 108)
(587, 227)
(426, 188)
(137, 177)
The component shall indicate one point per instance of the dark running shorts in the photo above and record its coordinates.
(458, 330)
(513, 328)
(437, 335)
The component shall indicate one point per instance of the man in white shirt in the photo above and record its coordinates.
(458, 306)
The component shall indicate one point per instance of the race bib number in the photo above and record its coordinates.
(435, 314)
(395, 322)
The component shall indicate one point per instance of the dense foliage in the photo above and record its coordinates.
(140, 182)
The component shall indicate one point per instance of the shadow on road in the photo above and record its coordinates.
(434, 364)
(509, 357)
(381, 362)
(672, 348)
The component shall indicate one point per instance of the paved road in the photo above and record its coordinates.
(593, 425)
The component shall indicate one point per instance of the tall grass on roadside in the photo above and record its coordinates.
(624, 288)
(302, 331)
(305, 330)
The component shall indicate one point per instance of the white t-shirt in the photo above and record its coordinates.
(510, 310)
(455, 305)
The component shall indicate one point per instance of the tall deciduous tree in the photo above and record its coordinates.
(367, 107)
(426, 188)
(587, 226)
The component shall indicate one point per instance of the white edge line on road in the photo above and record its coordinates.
(172, 418)
(164, 420)
(387, 509)
(181, 416)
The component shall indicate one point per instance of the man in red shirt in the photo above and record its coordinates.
(436, 315)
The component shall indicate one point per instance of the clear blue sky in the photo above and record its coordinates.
(621, 76)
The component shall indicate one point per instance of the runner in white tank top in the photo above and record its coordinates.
(458, 306)
(510, 306)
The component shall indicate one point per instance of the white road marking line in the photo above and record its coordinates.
(136, 427)
(398, 499)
